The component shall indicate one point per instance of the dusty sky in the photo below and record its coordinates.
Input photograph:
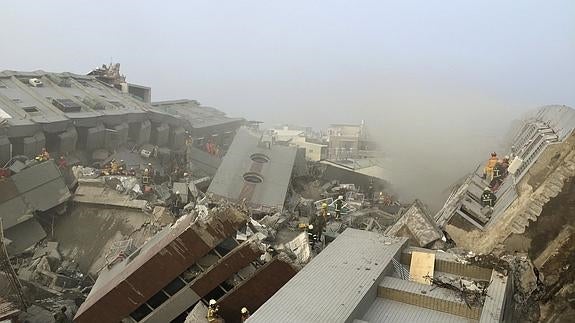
(436, 81)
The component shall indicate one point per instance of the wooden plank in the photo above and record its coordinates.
(422, 264)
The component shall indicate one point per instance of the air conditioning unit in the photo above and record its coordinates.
(35, 82)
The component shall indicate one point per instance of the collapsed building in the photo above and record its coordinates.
(195, 259)
(533, 212)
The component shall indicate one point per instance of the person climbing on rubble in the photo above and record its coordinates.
(177, 205)
(488, 200)
(245, 314)
(488, 170)
(213, 315)
(339, 204)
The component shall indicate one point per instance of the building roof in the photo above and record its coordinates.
(197, 115)
(249, 161)
(335, 282)
(66, 99)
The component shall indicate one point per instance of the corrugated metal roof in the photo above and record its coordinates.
(334, 283)
(386, 310)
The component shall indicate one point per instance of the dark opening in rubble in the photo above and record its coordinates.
(253, 178)
(260, 158)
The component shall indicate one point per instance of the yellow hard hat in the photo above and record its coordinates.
(324, 206)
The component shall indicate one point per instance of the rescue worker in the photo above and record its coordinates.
(312, 237)
(146, 176)
(324, 211)
(213, 315)
(245, 314)
(338, 205)
(488, 198)
(62, 163)
(61, 316)
(488, 170)
(505, 165)
(177, 205)
(114, 167)
(43, 156)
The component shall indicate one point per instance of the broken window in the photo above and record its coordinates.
(141, 312)
(158, 299)
(174, 286)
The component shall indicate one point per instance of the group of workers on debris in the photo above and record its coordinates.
(317, 223)
(494, 173)
(214, 315)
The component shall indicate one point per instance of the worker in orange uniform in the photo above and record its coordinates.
(488, 170)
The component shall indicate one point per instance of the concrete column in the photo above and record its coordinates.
(161, 134)
(32, 146)
(177, 137)
(95, 137)
(140, 131)
(67, 140)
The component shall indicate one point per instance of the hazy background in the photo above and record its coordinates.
(436, 81)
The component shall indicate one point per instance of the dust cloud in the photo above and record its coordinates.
(432, 133)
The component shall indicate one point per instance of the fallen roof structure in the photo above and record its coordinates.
(356, 171)
(364, 277)
(255, 171)
(543, 146)
(36, 188)
(202, 120)
(417, 225)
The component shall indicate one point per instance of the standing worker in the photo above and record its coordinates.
(338, 205)
(245, 314)
(488, 200)
(488, 170)
(213, 315)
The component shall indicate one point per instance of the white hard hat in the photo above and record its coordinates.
(340, 197)
(487, 189)
(177, 192)
(244, 310)
(310, 226)
(212, 302)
